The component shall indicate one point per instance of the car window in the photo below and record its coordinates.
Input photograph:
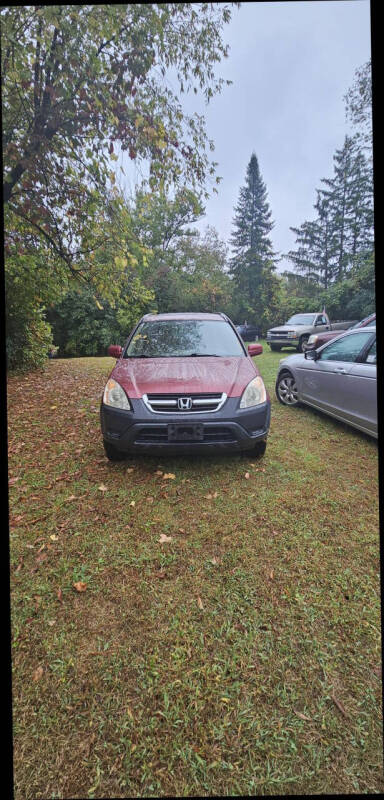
(321, 320)
(347, 348)
(371, 355)
(171, 338)
(301, 319)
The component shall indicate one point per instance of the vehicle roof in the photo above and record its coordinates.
(351, 331)
(185, 315)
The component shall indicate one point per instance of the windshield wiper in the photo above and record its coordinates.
(202, 355)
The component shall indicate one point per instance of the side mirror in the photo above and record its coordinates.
(255, 349)
(311, 355)
(115, 351)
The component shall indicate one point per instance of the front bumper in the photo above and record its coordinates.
(141, 430)
(282, 341)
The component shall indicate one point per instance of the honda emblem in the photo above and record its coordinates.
(184, 403)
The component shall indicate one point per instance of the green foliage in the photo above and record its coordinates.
(358, 106)
(254, 262)
(329, 245)
(28, 335)
(78, 81)
(353, 298)
(192, 276)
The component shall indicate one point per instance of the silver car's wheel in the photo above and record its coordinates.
(286, 389)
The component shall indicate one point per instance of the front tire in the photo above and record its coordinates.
(286, 389)
(303, 340)
(260, 449)
(111, 452)
(275, 347)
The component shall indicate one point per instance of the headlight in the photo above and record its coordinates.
(254, 394)
(114, 395)
(291, 333)
(313, 338)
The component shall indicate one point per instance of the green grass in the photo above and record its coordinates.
(241, 657)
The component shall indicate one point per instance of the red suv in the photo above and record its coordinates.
(184, 383)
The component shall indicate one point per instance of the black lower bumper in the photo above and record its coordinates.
(228, 429)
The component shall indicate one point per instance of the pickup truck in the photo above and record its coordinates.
(317, 339)
(248, 333)
(297, 330)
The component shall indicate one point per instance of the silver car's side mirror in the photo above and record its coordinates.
(312, 355)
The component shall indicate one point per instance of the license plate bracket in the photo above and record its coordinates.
(186, 433)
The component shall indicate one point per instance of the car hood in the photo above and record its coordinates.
(187, 375)
(284, 328)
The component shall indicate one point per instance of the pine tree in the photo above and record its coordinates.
(254, 260)
(329, 246)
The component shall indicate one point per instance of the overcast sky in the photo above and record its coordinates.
(291, 64)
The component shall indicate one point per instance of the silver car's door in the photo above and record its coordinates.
(324, 381)
(361, 393)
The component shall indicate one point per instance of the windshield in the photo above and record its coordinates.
(192, 337)
(302, 319)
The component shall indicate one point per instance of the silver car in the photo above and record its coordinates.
(339, 378)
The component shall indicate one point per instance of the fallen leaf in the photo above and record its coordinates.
(53, 408)
(54, 538)
(169, 475)
(38, 673)
(158, 472)
(51, 622)
(132, 503)
(247, 475)
(339, 705)
(200, 603)
(60, 595)
(130, 469)
(102, 488)
(302, 716)
(181, 530)
(149, 499)
(215, 560)
(164, 538)
(13, 480)
(271, 574)
(80, 586)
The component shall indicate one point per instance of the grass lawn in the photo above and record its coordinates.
(240, 655)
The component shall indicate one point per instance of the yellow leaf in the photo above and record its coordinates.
(164, 538)
(169, 475)
(200, 603)
(53, 408)
(80, 586)
(38, 673)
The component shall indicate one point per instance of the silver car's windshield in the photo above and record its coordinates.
(185, 337)
(302, 319)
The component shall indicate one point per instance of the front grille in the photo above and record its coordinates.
(279, 335)
(168, 403)
(158, 434)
